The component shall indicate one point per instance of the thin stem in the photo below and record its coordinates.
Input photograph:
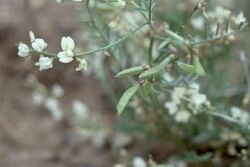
(49, 54)
(245, 68)
(151, 43)
(201, 43)
(150, 13)
(111, 44)
(150, 51)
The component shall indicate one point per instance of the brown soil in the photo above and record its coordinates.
(29, 137)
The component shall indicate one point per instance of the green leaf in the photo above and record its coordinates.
(130, 71)
(198, 67)
(147, 87)
(163, 44)
(127, 95)
(156, 69)
(186, 67)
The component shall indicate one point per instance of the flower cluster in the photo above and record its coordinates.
(48, 98)
(46, 59)
(185, 102)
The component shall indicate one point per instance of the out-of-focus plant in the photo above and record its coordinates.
(173, 65)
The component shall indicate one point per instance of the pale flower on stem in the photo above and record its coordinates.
(182, 116)
(57, 90)
(83, 65)
(44, 63)
(67, 45)
(32, 36)
(240, 18)
(172, 107)
(198, 99)
(39, 45)
(23, 50)
(139, 162)
(53, 106)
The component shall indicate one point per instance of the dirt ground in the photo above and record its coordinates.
(29, 137)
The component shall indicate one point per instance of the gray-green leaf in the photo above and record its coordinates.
(127, 95)
(130, 71)
(186, 67)
(198, 67)
(155, 69)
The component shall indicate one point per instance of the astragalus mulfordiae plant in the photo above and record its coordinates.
(171, 60)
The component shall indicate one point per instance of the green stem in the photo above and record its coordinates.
(111, 44)
(150, 13)
(150, 51)
(151, 43)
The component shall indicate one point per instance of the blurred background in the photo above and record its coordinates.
(29, 136)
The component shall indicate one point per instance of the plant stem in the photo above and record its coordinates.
(151, 43)
(111, 44)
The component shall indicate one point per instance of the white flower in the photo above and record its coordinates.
(39, 44)
(172, 107)
(65, 56)
(67, 45)
(240, 115)
(23, 50)
(44, 63)
(53, 106)
(240, 18)
(221, 13)
(82, 64)
(178, 93)
(38, 98)
(198, 99)
(32, 36)
(182, 116)
(57, 90)
(119, 165)
(139, 162)
(80, 110)
(198, 23)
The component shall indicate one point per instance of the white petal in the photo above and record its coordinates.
(139, 162)
(198, 99)
(67, 43)
(182, 116)
(32, 36)
(23, 50)
(39, 45)
(83, 65)
(57, 90)
(44, 63)
(64, 58)
(70, 43)
(64, 43)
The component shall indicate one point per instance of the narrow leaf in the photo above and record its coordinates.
(198, 67)
(163, 44)
(127, 95)
(186, 67)
(130, 71)
(155, 69)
